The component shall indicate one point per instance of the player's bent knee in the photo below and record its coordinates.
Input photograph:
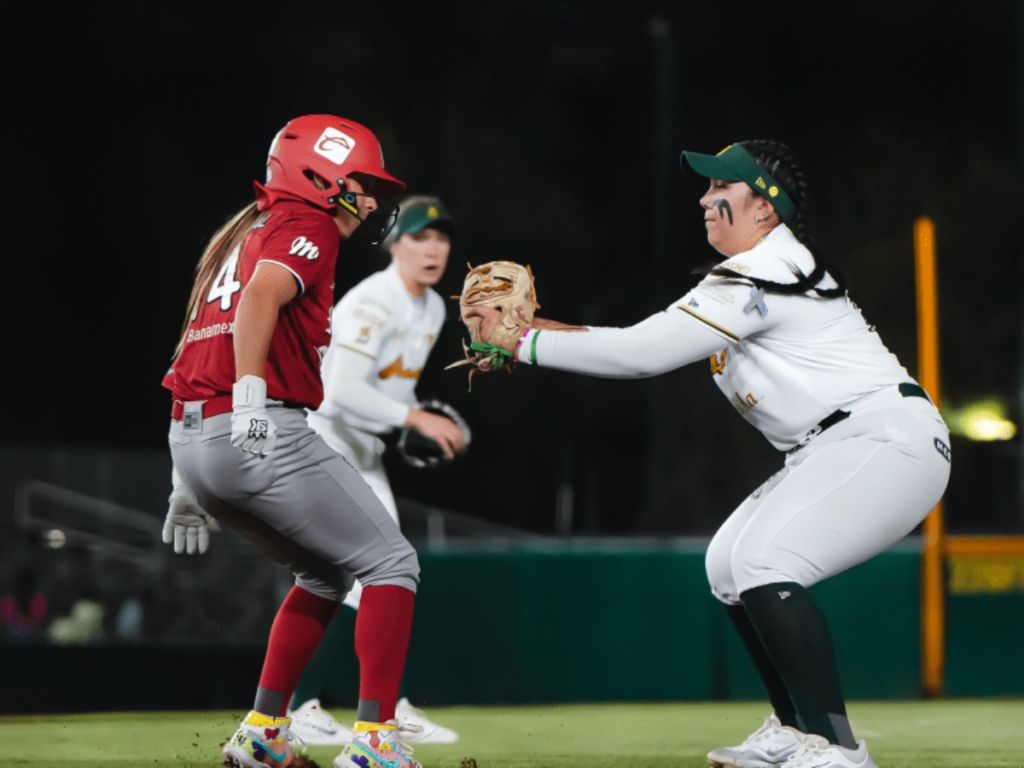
(400, 569)
(319, 587)
(726, 593)
(723, 587)
(759, 572)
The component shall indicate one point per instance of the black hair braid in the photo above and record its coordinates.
(782, 165)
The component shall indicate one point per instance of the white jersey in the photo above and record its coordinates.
(787, 362)
(784, 362)
(385, 334)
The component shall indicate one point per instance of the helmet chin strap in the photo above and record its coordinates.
(350, 202)
(346, 199)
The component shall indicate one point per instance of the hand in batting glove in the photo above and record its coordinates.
(187, 525)
(252, 429)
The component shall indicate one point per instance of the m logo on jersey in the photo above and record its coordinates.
(303, 247)
(334, 145)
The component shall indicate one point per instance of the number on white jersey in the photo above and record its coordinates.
(226, 284)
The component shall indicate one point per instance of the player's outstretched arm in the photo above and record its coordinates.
(490, 317)
(543, 324)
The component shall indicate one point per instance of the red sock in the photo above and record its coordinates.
(298, 628)
(383, 625)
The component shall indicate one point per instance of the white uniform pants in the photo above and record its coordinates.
(365, 453)
(849, 494)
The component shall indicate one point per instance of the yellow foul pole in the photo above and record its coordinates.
(933, 609)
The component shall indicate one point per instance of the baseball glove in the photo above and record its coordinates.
(507, 287)
(417, 450)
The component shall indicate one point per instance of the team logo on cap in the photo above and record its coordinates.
(334, 145)
(773, 190)
(432, 212)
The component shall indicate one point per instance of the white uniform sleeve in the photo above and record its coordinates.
(661, 343)
(348, 388)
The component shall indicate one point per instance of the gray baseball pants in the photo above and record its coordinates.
(303, 504)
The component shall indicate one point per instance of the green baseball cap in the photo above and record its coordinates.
(734, 163)
(422, 211)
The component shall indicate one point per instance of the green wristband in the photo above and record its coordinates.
(533, 347)
(504, 357)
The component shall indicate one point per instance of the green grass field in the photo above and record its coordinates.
(932, 734)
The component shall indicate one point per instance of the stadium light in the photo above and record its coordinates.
(983, 420)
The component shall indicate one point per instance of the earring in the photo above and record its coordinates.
(758, 221)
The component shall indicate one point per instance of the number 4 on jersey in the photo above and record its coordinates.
(226, 285)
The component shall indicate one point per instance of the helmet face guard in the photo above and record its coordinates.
(333, 149)
(378, 223)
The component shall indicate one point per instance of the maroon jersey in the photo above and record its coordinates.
(302, 239)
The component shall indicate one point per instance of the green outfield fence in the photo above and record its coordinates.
(564, 621)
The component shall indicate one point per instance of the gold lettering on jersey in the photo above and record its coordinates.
(743, 404)
(396, 369)
(369, 317)
(743, 269)
(718, 362)
(364, 335)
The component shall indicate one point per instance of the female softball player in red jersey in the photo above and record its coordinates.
(866, 453)
(246, 366)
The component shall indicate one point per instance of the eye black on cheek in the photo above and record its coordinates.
(724, 209)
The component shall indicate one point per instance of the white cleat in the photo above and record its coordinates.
(816, 752)
(433, 733)
(314, 725)
(770, 745)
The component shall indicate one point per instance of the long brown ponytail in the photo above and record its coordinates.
(223, 242)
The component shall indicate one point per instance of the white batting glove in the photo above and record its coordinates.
(252, 429)
(187, 525)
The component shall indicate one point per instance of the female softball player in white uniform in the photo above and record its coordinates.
(866, 452)
(382, 332)
(247, 366)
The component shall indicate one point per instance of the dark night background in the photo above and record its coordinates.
(552, 130)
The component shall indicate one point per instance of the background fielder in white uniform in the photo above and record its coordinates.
(866, 452)
(382, 332)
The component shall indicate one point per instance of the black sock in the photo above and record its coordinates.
(368, 711)
(270, 703)
(777, 693)
(799, 644)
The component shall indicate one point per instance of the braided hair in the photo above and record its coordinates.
(782, 165)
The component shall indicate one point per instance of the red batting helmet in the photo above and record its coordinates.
(332, 148)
